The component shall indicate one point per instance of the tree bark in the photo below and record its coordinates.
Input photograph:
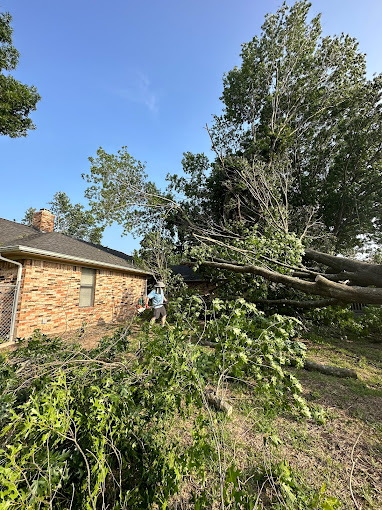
(330, 370)
(218, 403)
(320, 287)
(314, 303)
(361, 273)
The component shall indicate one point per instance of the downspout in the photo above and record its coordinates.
(16, 296)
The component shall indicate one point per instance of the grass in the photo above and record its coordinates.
(338, 450)
(320, 451)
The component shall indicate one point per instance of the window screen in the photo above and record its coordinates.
(87, 287)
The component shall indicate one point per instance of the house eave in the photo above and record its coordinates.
(20, 250)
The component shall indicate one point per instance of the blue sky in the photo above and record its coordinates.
(146, 74)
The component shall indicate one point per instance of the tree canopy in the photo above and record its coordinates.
(17, 100)
(70, 219)
(296, 171)
(300, 106)
(303, 101)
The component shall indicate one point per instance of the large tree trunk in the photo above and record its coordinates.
(349, 272)
(357, 272)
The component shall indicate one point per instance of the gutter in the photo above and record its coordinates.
(16, 296)
(55, 255)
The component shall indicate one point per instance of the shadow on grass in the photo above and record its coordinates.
(353, 346)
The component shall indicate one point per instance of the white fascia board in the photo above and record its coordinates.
(54, 255)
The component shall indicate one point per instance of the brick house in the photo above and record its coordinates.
(64, 282)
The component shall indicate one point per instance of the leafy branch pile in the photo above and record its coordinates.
(128, 425)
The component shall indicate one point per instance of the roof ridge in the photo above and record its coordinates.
(21, 224)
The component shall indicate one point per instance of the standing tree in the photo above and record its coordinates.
(298, 145)
(28, 216)
(17, 100)
(303, 102)
(71, 219)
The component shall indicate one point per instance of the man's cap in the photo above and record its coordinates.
(160, 285)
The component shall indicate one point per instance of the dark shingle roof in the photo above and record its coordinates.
(14, 234)
(188, 273)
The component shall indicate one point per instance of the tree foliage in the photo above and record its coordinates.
(100, 429)
(300, 121)
(120, 192)
(304, 100)
(70, 219)
(17, 100)
(297, 164)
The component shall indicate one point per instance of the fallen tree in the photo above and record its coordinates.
(297, 165)
(338, 279)
(339, 292)
(355, 272)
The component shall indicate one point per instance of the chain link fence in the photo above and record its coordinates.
(8, 293)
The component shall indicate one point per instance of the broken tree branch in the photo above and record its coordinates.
(330, 370)
(320, 287)
(356, 271)
(316, 303)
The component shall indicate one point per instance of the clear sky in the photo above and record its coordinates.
(142, 73)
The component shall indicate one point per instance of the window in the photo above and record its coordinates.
(87, 287)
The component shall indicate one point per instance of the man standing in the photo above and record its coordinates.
(158, 300)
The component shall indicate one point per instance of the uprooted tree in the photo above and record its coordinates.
(295, 180)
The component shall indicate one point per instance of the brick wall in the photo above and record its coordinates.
(8, 273)
(50, 298)
(43, 220)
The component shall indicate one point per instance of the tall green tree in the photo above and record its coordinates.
(17, 100)
(70, 219)
(304, 100)
(297, 148)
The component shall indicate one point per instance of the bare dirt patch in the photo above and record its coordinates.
(89, 337)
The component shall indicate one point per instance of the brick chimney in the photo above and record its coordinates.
(43, 220)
